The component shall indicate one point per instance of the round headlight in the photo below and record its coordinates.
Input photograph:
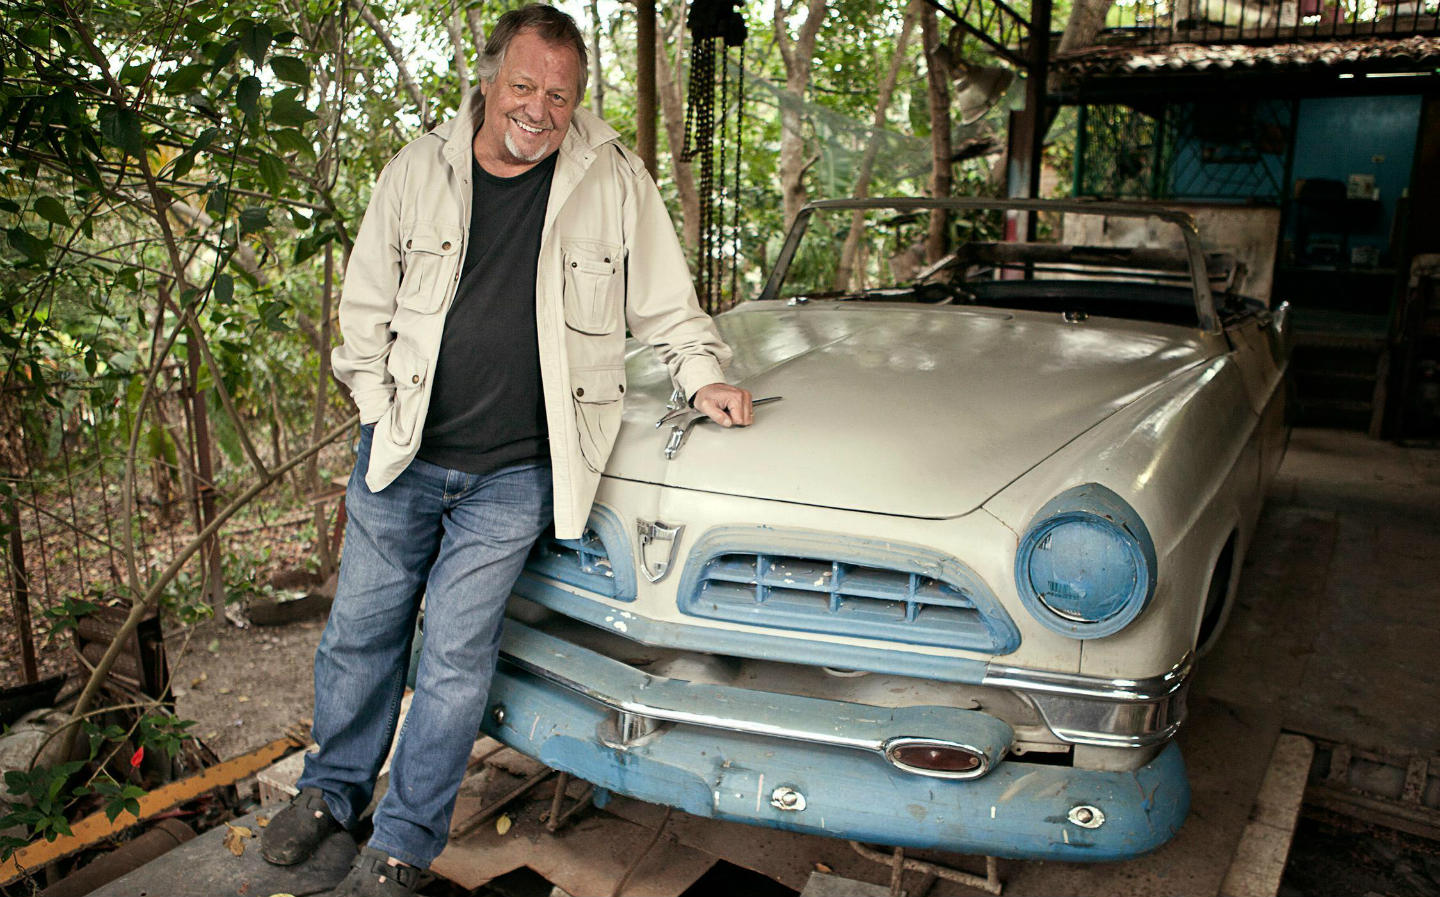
(1086, 566)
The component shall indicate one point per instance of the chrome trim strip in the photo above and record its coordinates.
(1126, 713)
(642, 700)
(1074, 685)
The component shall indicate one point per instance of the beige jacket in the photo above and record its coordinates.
(609, 259)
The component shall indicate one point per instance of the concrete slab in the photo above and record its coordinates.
(1260, 858)
(207, 866)
(1338, 616)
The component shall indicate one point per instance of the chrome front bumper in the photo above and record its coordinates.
(815, 765)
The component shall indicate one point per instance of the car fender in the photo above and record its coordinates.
(1183, 456)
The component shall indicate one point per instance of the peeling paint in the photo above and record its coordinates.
(1016, 788)
(619, 626)
(992, 812)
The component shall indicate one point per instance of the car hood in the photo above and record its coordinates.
(916, 412)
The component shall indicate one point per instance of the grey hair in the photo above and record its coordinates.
(550, 24)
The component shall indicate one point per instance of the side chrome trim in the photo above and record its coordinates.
(1103, 712)
(1075, 685)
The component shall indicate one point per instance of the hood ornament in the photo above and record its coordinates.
(685, 420)
(658, 542)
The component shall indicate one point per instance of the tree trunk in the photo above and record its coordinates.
(942, 177)
(455, 27)
(477, 30)
(672, 104)
(799, 58)
(317, 428)
(407, 82)
(597, 71)
(205, 485)
(872, 146)
(1087, 17)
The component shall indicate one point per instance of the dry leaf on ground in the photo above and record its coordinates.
(235, 836)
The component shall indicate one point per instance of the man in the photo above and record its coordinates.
(484, 313)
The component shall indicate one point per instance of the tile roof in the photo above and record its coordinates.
(1414, 53)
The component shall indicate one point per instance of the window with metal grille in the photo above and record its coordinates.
(843, 598)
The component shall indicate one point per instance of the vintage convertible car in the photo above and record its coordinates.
(949, 590)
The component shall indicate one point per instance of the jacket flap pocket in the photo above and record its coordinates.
(408, 368)
(591, 256)
(432, 238)
(597, 386)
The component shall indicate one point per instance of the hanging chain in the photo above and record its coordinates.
(716, 26)
(735, 188)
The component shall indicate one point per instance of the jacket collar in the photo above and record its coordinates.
(588, 132)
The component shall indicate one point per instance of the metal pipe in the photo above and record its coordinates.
(160, 839)
(990, 883)
(490, 809)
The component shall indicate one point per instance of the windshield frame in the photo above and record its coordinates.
(1205, 314)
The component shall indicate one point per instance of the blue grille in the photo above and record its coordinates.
(843, 597)
(586, 562)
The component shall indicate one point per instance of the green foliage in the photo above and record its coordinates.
(65, 616)
(36, 800)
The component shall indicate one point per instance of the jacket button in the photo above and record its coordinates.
(445, 245)
(574, 264)
(579, 390)
(408, 243)
(607, 261)
(622, 388)
(414, 378)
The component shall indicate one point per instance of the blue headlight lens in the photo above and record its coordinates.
(1084, 570)
(1086, 566)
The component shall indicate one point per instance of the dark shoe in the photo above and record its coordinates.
(296, 831)
(371, 875)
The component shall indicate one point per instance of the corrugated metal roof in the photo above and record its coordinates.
(1415, 53)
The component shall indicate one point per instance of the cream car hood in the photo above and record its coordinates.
(920, 412)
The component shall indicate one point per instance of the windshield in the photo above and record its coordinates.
(1084, 264)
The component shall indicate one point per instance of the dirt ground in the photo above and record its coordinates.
(244, 687)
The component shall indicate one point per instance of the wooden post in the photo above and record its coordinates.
(1027, 141)
(645, 84)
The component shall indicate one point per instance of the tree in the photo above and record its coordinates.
(798, 56)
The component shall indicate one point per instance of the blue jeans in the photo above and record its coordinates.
(460, 540)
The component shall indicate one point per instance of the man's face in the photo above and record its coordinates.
(529, 104)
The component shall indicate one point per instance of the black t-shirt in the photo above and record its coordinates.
(487, 408)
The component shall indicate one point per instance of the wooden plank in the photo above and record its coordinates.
(96, 827)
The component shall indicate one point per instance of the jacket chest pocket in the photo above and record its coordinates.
(432, 255)
(594, 286)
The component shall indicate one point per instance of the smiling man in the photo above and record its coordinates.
(501, 261)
